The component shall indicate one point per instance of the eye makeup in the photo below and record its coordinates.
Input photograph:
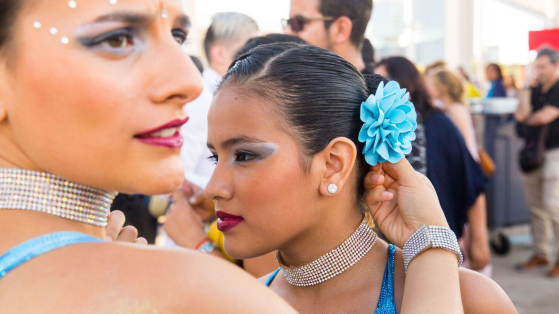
(247, 152)
(254, 151)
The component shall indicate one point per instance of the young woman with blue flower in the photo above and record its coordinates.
(294, 130)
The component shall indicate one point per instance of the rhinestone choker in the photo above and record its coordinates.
(47, 193)
(335, 262)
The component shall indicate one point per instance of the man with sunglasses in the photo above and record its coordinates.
(336, 25)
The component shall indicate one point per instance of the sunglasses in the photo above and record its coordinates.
(297, 23)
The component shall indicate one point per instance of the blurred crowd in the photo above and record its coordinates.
(448, 148)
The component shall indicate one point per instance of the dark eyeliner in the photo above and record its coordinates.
(96, 40)
(180, 33)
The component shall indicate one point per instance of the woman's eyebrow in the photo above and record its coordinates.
(125, 17)
(183, 21)
(236, 140)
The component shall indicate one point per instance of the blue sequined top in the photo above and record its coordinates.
(39, 246)
(386, 304)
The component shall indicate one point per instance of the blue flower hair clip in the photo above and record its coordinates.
(390, 123)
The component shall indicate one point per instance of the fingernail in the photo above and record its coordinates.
(376, 177)
(387, 195)
(109, 239)
(192, 200)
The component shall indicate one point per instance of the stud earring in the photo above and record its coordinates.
(332, 188)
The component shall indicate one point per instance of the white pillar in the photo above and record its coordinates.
(459, 33)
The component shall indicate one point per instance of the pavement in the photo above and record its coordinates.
(532, 292)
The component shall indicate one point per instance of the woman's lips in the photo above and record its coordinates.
(226, 222)
(167, 135)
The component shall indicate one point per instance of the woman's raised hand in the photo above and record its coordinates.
(401, 200)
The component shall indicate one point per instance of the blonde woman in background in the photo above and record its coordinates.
(446, 89)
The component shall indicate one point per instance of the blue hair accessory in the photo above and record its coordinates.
(390, 122)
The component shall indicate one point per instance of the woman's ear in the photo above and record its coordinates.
(339, 159)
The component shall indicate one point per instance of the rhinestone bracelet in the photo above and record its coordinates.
(431, 237)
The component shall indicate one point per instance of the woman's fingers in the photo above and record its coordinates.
(372, 180)
(141, 241)
(114, 225)
(128, 234)
(402, 172)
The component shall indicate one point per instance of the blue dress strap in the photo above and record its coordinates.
(386, 304)
(272, 277)
(39, 246)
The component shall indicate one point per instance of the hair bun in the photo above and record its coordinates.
(373, 81)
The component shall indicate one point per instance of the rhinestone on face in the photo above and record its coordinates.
(72, 4)
(53, 30)
(335, 262)
(37, 24)
(332, 188)
(64, 40)
(43, 192)
(113, 2)
(164, 14)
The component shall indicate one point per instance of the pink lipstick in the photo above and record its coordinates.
(226, 222)
(167, 135)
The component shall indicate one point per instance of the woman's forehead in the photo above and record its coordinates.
(92, 8)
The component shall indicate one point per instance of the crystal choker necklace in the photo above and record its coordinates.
(335, 262)
(47, 193)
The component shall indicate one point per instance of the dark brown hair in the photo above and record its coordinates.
(317, 93)
(358, 11)
(9, 10)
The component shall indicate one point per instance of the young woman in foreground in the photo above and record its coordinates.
(289, 177)
(85, 88)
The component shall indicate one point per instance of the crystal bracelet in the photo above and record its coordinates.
(431, 237)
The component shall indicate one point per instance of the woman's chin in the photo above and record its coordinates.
(164, 181)
(244, 251)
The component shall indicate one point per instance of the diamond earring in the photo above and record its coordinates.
(332, 188)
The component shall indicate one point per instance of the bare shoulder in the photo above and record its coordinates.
(265, 278)
(134, 279)
(480, 294)
(194, 280)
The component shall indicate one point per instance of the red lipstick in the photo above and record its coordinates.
(167, 135)
(226, 222)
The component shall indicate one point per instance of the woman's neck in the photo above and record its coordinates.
(20, 225)
(447, 102)
(322, 238)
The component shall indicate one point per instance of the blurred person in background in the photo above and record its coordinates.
(455, 174)
(228, 32)
(446, 87)
(471, 91)
(338, 26)
(539, 109)
(435, 66)
(494, 75)
(510, 86)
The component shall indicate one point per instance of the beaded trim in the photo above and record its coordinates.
(335, 262)
(47, 193)
(427, 237)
